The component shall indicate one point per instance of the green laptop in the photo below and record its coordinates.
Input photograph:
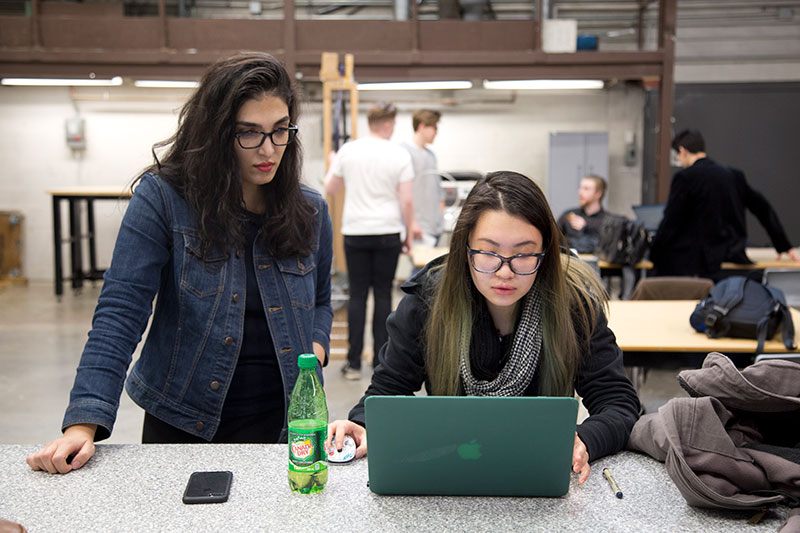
(475, 446)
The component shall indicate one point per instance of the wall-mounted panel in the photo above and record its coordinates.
(751, 127)
(81, 9)
(100, 33)
(476, 35)
(353, 35)
(15, 32)
(217, 34)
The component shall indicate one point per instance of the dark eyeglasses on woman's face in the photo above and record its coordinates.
(490, 262)
(252, 139)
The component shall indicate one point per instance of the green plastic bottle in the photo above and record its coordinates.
(308, 430)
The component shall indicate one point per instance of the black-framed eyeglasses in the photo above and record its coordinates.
(251, 139)
(490, 262)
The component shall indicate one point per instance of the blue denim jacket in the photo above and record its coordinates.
(188, 359)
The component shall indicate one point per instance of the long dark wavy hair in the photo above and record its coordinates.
(201, 162)
(571, 293)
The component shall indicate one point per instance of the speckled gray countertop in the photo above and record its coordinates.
(139, 488)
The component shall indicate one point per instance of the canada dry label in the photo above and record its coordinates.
(307, 449)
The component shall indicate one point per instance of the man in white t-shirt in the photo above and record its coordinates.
(428, 192)
(378, 207)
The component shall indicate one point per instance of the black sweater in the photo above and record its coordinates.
(606, 391)
(704, 221)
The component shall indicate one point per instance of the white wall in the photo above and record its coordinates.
(485, 131)
(480, 130)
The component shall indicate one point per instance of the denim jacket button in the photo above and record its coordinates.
(228, 341)
(238, 254)
(214, 385)
(236, 297)
(199, 426)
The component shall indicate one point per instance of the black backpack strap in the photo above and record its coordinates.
(780, 308)
(787, 327)
(761, 329)
(724, 296)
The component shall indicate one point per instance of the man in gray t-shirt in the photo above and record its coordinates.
(428, 193)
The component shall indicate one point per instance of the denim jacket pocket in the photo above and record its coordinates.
(202, 277)
(301, 284)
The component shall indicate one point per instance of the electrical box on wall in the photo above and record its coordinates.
(76, 133)
(630, 149)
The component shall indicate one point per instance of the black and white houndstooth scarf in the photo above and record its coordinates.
(523, 358)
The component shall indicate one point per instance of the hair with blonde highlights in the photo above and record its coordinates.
(571, 294)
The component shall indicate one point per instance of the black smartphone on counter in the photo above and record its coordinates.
(208, 487)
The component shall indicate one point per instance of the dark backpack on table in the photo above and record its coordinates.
(622, 241)
(741, 307)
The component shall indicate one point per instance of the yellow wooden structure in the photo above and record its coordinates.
(333, 80)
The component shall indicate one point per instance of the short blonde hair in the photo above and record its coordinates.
(381, 112)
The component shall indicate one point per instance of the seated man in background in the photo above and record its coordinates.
(581, 225)
(704, 219)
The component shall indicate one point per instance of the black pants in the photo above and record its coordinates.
(371, 262)
(262, 428)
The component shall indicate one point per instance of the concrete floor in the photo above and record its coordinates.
(41, 340)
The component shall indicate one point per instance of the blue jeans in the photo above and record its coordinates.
(371, 262)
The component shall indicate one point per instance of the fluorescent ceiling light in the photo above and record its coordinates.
(167, 84)
(62, 82)
(545, 85)
(414, 85)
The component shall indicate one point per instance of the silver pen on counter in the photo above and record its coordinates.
(614, 486)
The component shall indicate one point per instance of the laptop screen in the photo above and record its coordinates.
(650, 215)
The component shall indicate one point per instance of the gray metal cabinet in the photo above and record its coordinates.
(572, 155)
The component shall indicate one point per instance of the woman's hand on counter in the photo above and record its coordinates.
(339, 428)
(77, 441)
(580, 460)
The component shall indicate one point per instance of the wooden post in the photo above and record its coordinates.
(36, 33)
(162, 15)
(289, 44)
(666, 95)
(333, 81)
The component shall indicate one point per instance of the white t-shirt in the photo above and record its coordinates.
(372, 168)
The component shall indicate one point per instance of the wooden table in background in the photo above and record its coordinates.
(657, 333)
(421, 255)
(763, 258)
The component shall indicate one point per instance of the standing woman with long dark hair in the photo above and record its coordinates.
(506, 313)
(237, 254)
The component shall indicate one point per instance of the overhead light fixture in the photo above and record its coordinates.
(543, 85)
(63, 82)
(167, 84)
(414, 85)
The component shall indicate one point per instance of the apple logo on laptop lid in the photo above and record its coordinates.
(470, 450)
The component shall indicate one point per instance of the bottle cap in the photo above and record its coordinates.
(307, 360)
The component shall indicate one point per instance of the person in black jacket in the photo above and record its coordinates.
(704, 219)
(505, 313)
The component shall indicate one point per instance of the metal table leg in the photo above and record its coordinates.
(59, 273)
(76, 251)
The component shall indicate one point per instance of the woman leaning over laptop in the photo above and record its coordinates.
(506, 313)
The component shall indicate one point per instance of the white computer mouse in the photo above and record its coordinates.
(346, 454)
